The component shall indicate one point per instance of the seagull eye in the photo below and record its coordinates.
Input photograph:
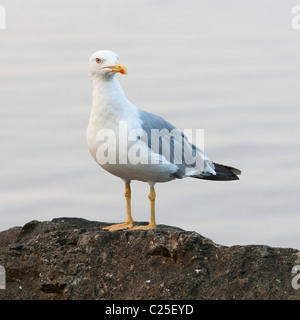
(98, 60)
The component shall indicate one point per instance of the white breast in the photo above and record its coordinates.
(111, 114)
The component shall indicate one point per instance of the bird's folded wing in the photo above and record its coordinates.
(173, 146)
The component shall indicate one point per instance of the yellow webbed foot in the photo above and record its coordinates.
(150, 226)
(120, 226)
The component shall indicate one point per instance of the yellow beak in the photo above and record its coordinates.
(118, 68)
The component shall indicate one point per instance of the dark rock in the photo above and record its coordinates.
(29, 227)
(70, 258)
(16, 246)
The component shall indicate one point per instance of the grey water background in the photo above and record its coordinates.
(229, 67)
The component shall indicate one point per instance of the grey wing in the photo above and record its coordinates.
(173, 146)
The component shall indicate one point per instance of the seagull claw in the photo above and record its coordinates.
(150, 226)
(119, 226)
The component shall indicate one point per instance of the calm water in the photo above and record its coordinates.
(232, 68)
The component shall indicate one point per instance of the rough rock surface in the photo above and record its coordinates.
(70, 258)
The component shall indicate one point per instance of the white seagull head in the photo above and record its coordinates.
(104, 64)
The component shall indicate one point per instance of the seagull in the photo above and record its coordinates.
(133, 144)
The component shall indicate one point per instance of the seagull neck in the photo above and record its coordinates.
(108, 94)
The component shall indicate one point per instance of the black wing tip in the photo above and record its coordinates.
(232, 169)
(224, 173)
(218, 177)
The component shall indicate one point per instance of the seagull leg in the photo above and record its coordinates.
(129, 220)
(152, 224)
